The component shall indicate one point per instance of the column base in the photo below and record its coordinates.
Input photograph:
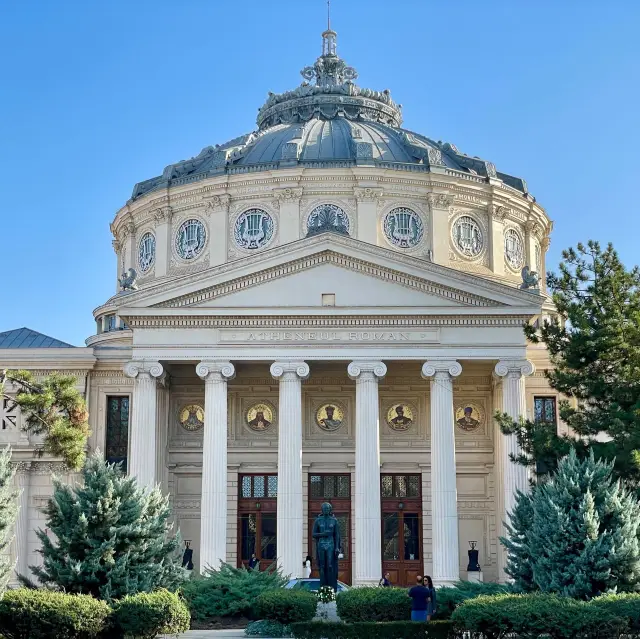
(448, 583)
(475, 577)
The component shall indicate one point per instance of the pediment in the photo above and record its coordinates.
(358, 274)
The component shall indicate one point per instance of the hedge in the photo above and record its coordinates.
(625, 605)
(286, 606)
(374, 604)
(147, 615)
(373, 630)
(537, 615)
(267, 628)
(44, 614)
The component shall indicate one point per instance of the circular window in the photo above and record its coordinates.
(513, 249)
(190, 239)
(253, 229)
(328, 217)
(467, 236)
(146, 252)
(403, 227)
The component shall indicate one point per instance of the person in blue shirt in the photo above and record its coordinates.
(420, 596)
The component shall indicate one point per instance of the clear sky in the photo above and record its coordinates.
(96, 96)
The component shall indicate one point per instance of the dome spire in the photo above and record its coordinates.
(329, 37)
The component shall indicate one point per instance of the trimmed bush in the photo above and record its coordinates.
(374, 604)
(287, 606)
(228, 592)
(373, 630)
(147, 615)
(449, 598)
(536, 615)
(625, 605)
(44, 614)
(266, 628)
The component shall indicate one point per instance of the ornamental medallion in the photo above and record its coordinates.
(467, 236)
(400, 417)
(190, 239)
(259, 417)
(253, 229)
(469, 417)
(403, 227)
(513, 249)
(146, 252)
(192, 417)
(327, 217)
(329, 417)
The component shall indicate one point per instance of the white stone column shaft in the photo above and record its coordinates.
(367, 202)
(439, 205)
(514, 476)
(288, 200)
(162, 434)
(368, 524)
(141, 462)
(213, 501)
(444, 495)
(23, 481)
(290, 510)
(497, 403)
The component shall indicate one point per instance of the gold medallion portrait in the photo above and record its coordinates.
(260, 417)
(191, 417)
(469, 417)
(400, 417)
(329, 417)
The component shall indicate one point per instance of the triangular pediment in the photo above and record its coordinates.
(357, 274)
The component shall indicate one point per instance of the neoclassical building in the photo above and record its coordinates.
(329, 308)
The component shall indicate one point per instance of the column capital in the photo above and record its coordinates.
(435, 367)
(514, 368)
(298, 367)
(153, 369)
(216, 371)
(358, 368)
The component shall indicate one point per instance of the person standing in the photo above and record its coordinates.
(254, 562)
(419, 595)
(385, 582)
(307, 567)
(431, 601)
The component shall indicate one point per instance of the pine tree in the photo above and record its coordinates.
(595, 351)
(111, 538)
(53, 407)
(580, 538)
(8, 512)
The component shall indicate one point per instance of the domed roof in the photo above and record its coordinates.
(330, 123)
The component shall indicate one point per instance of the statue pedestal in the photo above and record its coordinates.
(475, 577)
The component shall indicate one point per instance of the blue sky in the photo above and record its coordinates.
(96, 96)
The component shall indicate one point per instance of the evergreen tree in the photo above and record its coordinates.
(111, 538)
(577, 533)
(595, 351)
(56, 409)
(8, 512)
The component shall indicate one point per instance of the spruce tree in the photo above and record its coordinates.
(581, 537)
(595, 352)
(111, 538)
(8, 512)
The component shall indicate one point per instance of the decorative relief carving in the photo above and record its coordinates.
(217, 202)
(162, 214)
(252, 227)
(498, 212)
(290, 194)
(346, 207)
(367, 194)
(440, 200)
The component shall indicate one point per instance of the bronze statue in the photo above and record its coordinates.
(326, 532)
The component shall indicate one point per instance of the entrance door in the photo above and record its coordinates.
(335, 489)
(401, 528)
(257, 520)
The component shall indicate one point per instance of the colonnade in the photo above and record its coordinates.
(367, 375)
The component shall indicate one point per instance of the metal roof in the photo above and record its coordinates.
(26, 338)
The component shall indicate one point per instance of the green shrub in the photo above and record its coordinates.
(625, 605)
(44, 614)
(287, 606)
(267, 628)
(536, 615)
(147, 615)
(229, 591)
(373, 630)
(374, 604)
(448, 598)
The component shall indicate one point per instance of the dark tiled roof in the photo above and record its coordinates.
(26, 338)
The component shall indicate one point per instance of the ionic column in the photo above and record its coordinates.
(439, 205)
(514, 476)
(497, 403)
(142, 438)
(162, 433)
(444, 497)
(368, 542)
(23, 481)
(213, 504)
(290, 521)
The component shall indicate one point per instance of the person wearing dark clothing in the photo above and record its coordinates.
(419, 600)
(254, 562)
(384, 582)
(431, 601)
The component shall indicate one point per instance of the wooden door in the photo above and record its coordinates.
(336, 490)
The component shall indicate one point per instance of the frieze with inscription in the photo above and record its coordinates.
(293, 337)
